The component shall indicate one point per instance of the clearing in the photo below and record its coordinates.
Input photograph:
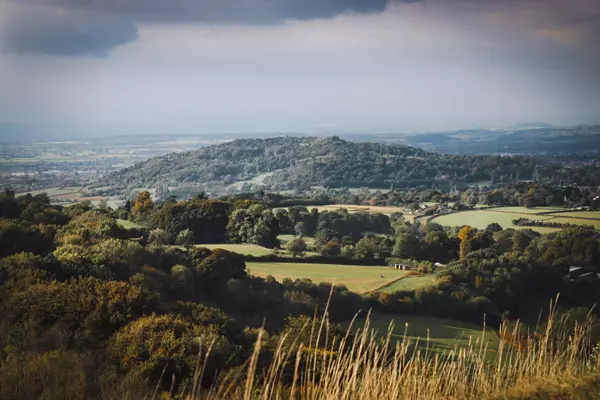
(357, 278)
(128, 224)
(247, 249)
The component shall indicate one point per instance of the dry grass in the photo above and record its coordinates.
(363, 367)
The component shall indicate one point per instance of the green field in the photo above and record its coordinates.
(410, 283)
(444, 334)
(504, 216)
(248, 249)
(357, 278)
(352, 208)
(580, 214)
(127, 224)
(480, 219)
(310, 241)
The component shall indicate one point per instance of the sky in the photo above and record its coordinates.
(310, 66)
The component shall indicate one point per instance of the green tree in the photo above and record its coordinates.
(296, 247)
(331, 249)
(185, 238)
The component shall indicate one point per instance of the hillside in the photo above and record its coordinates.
(297, 163)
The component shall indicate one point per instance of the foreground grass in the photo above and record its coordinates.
(361, 366)
(356, 278)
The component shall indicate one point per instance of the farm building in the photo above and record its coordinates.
(403, 267)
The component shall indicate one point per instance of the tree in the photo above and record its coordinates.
(300, 229)
(494, 227)
(296, 247)
(407, 245)
(158, 237)
(366, 248)
(185, 238)
(347, 252)
(520, 241)
(331, 249)
(143, 205)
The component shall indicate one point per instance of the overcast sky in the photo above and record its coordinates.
(203, 66)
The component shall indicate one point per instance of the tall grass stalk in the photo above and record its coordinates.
(362, 365)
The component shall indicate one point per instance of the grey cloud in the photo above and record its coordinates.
(237, 11)
(64, 32)
(80, 27)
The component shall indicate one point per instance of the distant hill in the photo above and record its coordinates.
(298, 163)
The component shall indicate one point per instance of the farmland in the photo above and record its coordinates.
(123, 223)
(357, 278)
(246, 249)
(505, 215)
(444, 334)
(410, 283)
(356, 208)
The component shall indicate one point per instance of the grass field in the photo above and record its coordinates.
(580, 214)
(504, 216)
(410, 283)
(357, 278)
(53, 192)
(480, 219)
(444, 334)
(249, 249)
(354, 208)
(310, 241)
(127, 224)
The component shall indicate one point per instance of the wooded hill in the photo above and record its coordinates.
(299, 163)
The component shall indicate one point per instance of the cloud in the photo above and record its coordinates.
(63, 32)
(91, 27)
(219, 11)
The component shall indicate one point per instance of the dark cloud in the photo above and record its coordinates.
(76, 27)
(238, 11)
(64, 32)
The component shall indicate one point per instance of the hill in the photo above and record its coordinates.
(285, 163)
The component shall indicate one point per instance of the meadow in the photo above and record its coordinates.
(246, 249)
(123, 223)
(359, 279)
(352, 208)
(504, 216)
(410, 283)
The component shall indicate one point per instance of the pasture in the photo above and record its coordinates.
(410, 283)
(504, 216)
(357, 278)
(247, 249)
(123, 223)
(310, 241)
(480, 219)
(352, 208)
(54, 192)
(437, 334)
